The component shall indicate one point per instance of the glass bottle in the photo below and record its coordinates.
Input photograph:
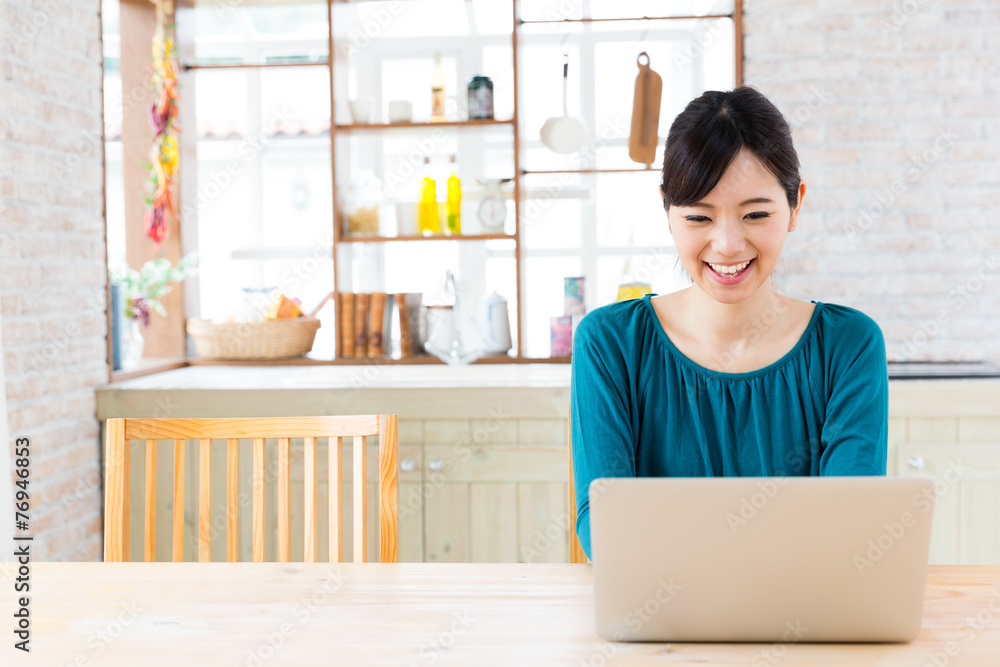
(428, 215)
(437, 90)
(453, 206)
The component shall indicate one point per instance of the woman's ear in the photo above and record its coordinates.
(793, 220)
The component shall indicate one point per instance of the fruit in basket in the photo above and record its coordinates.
(284, 308)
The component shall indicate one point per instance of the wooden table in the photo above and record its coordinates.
(217, 614)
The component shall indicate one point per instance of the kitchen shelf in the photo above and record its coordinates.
(342, 133)
(633, 18)
(588, 171)
(421, 125)
(438, 237)
(520, 193)
(378, 361)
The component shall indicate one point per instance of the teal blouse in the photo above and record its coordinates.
(640, 408)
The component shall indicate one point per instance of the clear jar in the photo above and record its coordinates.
(480, 98)
(362, 200)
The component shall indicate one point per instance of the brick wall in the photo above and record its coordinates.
(896, 115)
(52, 261)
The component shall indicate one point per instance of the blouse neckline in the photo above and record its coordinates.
(732, 376)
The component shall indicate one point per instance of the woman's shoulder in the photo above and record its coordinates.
(847, 322)
(613, 319)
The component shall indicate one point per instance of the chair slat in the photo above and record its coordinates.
(205, 501)
(284, 501)
(114, 500)
(232, 499)
(127, 505)
(300, 427)
(335, 473)
(576, 554)
(334, 429)
(258, 500)
(388, 490)
(309, 529)
(179, 500)
(360, 484)
(149, 536)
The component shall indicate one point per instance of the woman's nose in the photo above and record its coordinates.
(727, 238)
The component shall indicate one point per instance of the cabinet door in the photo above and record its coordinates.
(967, 506)
(495, 503)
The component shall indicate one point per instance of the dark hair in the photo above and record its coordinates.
(709, 133)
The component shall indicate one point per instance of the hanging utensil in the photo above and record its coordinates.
(564, 134)
(643, 139)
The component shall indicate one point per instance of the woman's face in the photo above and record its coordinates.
(745, 218)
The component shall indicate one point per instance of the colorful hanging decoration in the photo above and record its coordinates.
(164, 155)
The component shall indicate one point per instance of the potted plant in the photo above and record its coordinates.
(141, 292)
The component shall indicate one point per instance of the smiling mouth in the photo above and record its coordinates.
(732, 270)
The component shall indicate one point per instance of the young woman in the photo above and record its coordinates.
(727, 377)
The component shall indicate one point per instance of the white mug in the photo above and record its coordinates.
(406, 218)
(361, 110)
(400, 111)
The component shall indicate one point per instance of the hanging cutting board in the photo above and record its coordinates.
(643, 139)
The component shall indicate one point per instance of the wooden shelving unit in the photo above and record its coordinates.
(339, 236)
(343, 131)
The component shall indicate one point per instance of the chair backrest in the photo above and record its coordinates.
(120, 433)
(576, 554)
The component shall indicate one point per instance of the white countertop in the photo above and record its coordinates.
(437, 392)
(374, 376)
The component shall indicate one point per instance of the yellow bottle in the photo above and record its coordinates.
(453, 207)
(428, 215)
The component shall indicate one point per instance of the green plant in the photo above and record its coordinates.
(143, 289)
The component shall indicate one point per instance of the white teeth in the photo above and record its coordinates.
(730, 270)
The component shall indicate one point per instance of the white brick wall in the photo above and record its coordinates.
(896, 115)
(52, 261)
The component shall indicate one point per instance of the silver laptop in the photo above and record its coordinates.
(760, 559)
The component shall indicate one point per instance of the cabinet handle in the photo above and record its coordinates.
(915, 462)
(436, 465)
(407, 465)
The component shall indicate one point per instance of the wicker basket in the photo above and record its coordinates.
(269, 339)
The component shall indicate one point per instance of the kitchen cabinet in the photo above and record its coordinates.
(950, 432)
(483, 456)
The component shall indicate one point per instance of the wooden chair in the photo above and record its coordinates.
(120, 433)
(576, 554)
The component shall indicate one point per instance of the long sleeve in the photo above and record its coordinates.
(854, 439)
(601, 408)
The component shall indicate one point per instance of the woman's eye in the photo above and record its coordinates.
(758, 215)
(696, 218)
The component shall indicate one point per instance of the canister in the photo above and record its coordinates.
(575, 301)
(480, 98)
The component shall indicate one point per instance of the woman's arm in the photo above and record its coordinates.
(600, 412)
(855, 435)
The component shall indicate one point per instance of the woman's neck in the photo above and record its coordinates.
(736, 326)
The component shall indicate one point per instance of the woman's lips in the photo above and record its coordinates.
(733, 279)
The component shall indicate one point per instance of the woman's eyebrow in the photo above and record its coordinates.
(755, 200)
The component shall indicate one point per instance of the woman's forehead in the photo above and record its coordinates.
(745, 178)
